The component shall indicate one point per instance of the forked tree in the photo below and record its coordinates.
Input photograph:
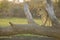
(32, 27)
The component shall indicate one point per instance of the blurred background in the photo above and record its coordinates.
(12, 10)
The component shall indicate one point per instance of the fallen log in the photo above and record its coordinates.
(29, 29)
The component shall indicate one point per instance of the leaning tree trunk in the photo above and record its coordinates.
(51, 13)
(47, 15)
(32, 27)
(27, 13)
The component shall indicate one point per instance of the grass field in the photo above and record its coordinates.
(5, 21)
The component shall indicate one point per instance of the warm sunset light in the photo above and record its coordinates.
(17, 0)
(10, 0)
(21, 0)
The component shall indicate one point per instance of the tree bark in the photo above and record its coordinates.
(28, 13)
(50, 10)
(30, 29)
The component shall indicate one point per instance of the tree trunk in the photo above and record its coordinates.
(27, 13)
(30, 29)
(51, 13)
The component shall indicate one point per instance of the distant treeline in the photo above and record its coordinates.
(10, 9)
